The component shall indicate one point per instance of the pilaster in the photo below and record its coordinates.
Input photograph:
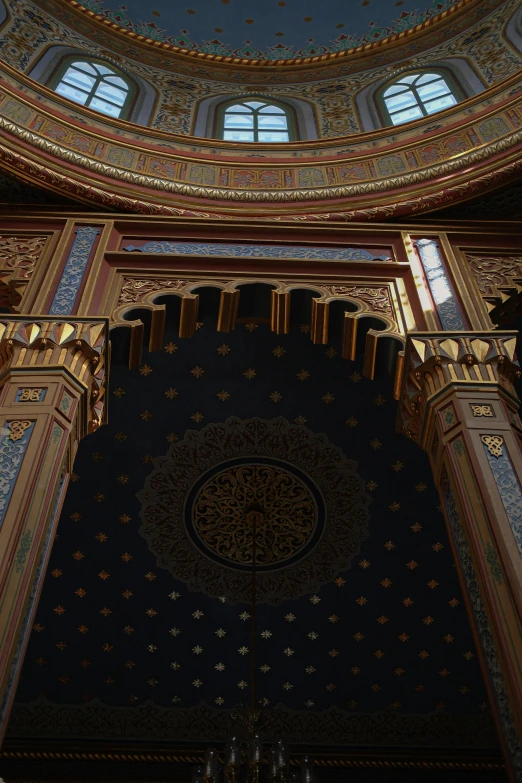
(458, 402)
(53, 376)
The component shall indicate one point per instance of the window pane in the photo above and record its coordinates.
(408, 79)
(440, 103)
(235, 135)
(395, 88)
(112, 94)
(272, 123)
(405, 116)
(272, 136)
(271, 110)
(102, 69)
(84, 67)
(239, 121)
(104, 107)
(237, 108)
(428, 77)
(71, 92)
(117, 81)
(78, 79)
(254, 104)
(433, 90)
(400, 101)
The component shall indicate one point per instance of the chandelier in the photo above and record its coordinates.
(246, 758)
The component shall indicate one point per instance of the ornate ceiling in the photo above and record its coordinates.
(279, 29)
(143, 632)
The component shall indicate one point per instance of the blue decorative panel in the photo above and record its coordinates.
(441, 292)
(509, 489)
(72, 276)
(482, 624)
(26, 394)
(258, 251)
(14, 439)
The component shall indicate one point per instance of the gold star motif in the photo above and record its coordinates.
(330, 353)
(375, 687)
(122, 478)
(379, 400)
(287, 686)
(146, 415)
(375, 444)
(266, 634)
(198, 614)
(417, 527)
(150, 576)
(305, 328)
(364, 564)
(288, 652)
(242, 684)
(97, 457)
(61, 645)
(38, 627)
(223, 395)
(174, 631)
(152, 682)
(389, 545)
(314, 599)
(310, 669)
(421, 486)
(171, 347)
(251, 327)
(386, 582)
(151, 612)
(78, 556)
(290, 617)
(220, 667)
(432, 584)
(448, 638)
(125, 519)
(104, 575)
(371, 486)
(358, 636)
(333, 653)
(75, 477)
(303, 375)
(197, 683)
(468, 655)
(424, 654)
(243, 650)
(107, 647)
(197, 371)
(339, 581)
(397, 466)
(105, 611)
(407, 601)
(412, 565)
(394, 506)
(355, 377)
(403, 637)
(299, 420)
(56, 573)
(219, 701)
(83, 628)
(333, 618)
(352, 422)
(328, 398)
(265, 668)
(382, 619)
(313, 636)
(330, 686)
(379, 654)
(128, 629)
(145, 370)
(437, 547)
(249, 374)
(171, 393)
(361, 600)
(223, 349)
(221, 633)
(121, 436)
(76, 516)
(119, 392)
(99, 497)
(172, 437)
(454, 603)
(275, 396)
(80, 592)
(127, 594)
(444, 673)
(197, 417)
(355, 670)
(197, 650)
(464, 689)
(428, 620)
(129, 664)
(279, 351)
(399, 671)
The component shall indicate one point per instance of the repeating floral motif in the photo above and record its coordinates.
(21, 253)
(167, 498)
(11, 456)
(31, 29)
(509, 489)
(481, 620)
(494, 272)
(72, 276)
(256, 251)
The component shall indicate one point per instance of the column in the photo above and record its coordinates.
(52, 393)
(458, 402)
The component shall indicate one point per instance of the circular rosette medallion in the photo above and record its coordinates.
(248, 491)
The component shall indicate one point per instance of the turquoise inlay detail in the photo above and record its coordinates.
(258, 251)
(11, 457)
(72, 276)
(509, 490)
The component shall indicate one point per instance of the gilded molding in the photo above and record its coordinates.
(438, 360)
(77, 346)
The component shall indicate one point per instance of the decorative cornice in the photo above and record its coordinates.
(77, 346)
(436, 361)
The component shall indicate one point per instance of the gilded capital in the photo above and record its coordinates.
(78, 347)
(437, 362)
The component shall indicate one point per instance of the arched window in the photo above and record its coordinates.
(95, 85)
(255, 120)
(417, 95)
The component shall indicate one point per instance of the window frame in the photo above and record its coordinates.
(454, 88)
(219, 121)
(70, 59)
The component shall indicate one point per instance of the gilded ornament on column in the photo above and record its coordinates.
(482, 410)
(494, 444)
(17, 429)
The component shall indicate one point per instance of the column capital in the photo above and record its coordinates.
(437, 363)
(78, 347)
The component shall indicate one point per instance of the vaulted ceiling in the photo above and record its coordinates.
(143, 632)
(273, 30)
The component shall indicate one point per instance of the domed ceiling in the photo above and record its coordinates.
(277, 29)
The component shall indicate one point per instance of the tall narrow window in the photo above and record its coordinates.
(255, 121)
(418, 95)
(94, 85)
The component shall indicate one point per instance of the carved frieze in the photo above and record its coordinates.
(21, 253)
(495, 274)
(377, 298)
